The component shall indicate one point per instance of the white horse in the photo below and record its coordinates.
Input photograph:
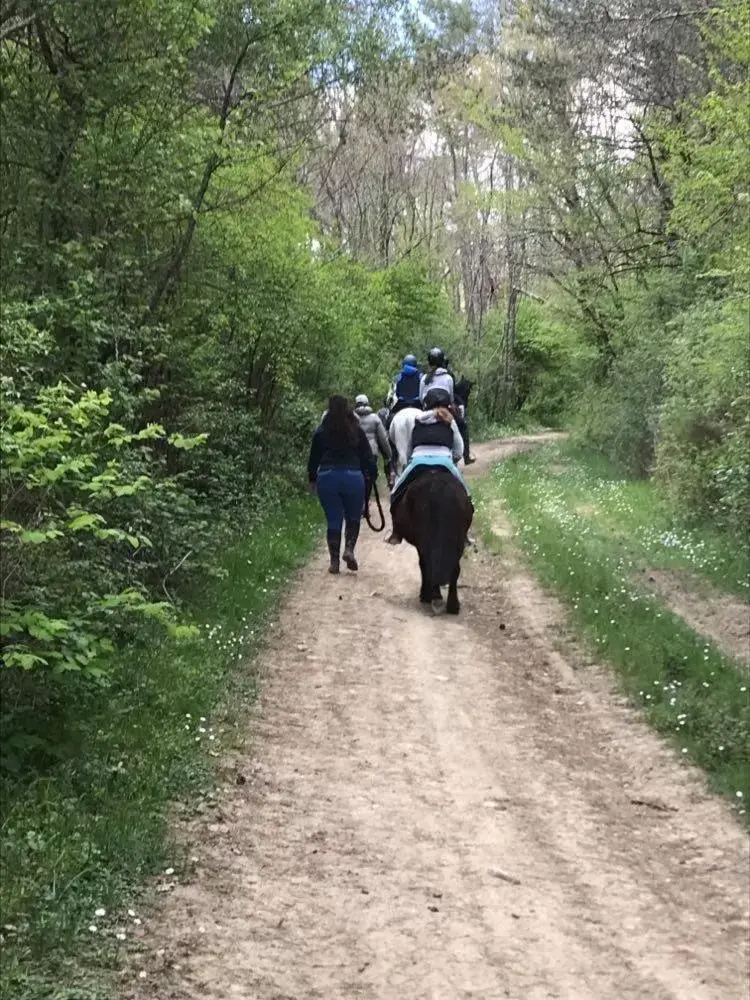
(400, 431)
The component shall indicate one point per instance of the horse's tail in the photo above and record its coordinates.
(445, 545)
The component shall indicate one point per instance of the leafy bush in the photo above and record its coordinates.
(703, 457)
(76, 492)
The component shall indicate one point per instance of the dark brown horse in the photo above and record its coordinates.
(434, 514)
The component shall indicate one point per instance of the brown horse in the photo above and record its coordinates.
(434, 515)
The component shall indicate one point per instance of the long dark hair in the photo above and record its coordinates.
(341, 419)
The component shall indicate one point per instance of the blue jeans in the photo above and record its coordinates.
(342, 496)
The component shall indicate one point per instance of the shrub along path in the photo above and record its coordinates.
(441, 808)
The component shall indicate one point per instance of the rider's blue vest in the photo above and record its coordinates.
(407, 385)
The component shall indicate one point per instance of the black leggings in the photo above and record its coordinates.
(463, 430)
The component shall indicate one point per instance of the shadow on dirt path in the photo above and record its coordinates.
(439, 808)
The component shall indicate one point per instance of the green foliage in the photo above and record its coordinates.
(678, 368)
(95, 825)
(552, 363)
(703, 456)
(71, 482)
(707, 162)
(172, 313)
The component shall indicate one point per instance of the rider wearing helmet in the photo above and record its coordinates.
(435, 439)
(435, 431)
(405, 391)
(437, 376)
(376, 434)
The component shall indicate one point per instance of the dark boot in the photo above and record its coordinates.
(352, 534)
(334, 548)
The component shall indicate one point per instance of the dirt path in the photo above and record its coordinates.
(444, 808)
(722, 617)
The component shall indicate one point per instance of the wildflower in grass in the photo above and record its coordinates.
(101, 912)
(93, 928)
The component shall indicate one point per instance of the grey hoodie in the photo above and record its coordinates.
(375, 433)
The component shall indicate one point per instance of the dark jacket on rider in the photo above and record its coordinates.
(330, 451)
(406, 388)
(461, 391)
(432, 436)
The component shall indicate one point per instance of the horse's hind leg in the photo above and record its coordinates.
(425, 592)
(452, 605)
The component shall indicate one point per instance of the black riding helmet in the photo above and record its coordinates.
(436, 357)
(410, 359)
(436, 397)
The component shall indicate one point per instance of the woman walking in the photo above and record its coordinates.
(339, 465)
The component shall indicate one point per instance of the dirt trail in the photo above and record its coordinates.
(442, 808)
(722, 617)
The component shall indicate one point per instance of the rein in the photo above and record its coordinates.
(380, 511)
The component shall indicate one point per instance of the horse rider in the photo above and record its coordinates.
(437, 375)
(461, 392)
(376, 436)
(405, 390)
(435, 440)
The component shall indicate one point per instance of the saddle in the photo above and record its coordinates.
(415, 473)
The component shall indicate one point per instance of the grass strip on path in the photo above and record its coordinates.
(79, 839)
(586, 535)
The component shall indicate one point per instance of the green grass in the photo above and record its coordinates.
(89, 829)
(587, 534)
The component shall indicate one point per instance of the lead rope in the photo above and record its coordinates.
(380, 511)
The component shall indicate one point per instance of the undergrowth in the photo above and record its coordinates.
(84, 828)
(588, 533)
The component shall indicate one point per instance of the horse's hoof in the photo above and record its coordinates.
(424, 599)
(452, 609)
(437, 605)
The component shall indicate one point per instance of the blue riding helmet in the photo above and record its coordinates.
(410, 360)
